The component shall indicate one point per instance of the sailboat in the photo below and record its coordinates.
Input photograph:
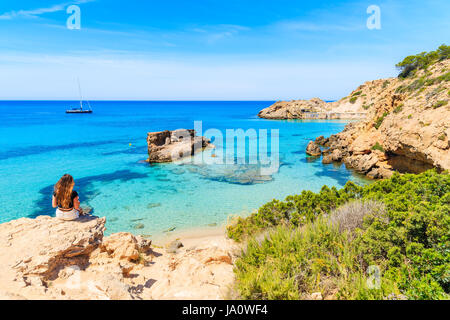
(80, 109)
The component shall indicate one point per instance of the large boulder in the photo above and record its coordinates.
(327, 159)
(321, 140)
(168, 146)
(313, 149)
(122, 246)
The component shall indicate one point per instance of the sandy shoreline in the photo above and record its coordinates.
(191, 236)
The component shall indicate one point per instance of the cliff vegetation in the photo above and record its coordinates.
(387, 240)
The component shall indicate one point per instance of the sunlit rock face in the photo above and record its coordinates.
(47, 258)
(314, 109)
(168, 146)
(407, 128)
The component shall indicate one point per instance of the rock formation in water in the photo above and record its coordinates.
(47, 258)
(313, 149)
(168, 146)
(407, 128)
(314, 109)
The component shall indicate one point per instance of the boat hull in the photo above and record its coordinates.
(78, 111)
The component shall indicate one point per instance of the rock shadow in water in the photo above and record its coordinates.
(336, 171)
(130, 150)
(33, 150)
(84, 187)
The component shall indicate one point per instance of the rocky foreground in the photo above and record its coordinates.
(46, 258)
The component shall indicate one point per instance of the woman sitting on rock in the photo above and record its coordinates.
(65, 199)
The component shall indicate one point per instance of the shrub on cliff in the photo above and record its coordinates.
(295, 210)
(422, 61)
(404, 234)
(378, 146)
(379, 120)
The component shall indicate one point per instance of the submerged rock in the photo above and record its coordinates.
(178, 171)
(139, 226)
(170, 229)
(86, 209)
(152, 205)
(243, 174)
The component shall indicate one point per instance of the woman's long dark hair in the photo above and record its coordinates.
(63, 191)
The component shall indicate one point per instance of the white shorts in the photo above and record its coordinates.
(67, 215)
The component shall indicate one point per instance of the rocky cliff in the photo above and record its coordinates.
(407, 127)
(46, 258)
(316, 109)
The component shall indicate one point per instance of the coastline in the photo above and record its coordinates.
(192, 236)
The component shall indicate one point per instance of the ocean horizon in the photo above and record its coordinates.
(105, 152)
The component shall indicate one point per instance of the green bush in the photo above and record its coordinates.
(378, 146)
(295, 210)
(353, 99)
(398, 109)
(379, 120)
(422, 61)
(440, 104)
(303, 252)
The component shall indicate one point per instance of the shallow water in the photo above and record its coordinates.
(39, 143)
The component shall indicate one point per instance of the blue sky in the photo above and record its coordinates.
(209, 49)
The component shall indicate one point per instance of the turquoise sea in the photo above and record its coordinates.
(39, 143)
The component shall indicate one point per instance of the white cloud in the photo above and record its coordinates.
(312, 27)
(219, 32)
(118, 77)
(34, 13)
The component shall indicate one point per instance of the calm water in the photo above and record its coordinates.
(39, 143)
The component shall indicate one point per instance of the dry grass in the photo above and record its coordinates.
(351, 215)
